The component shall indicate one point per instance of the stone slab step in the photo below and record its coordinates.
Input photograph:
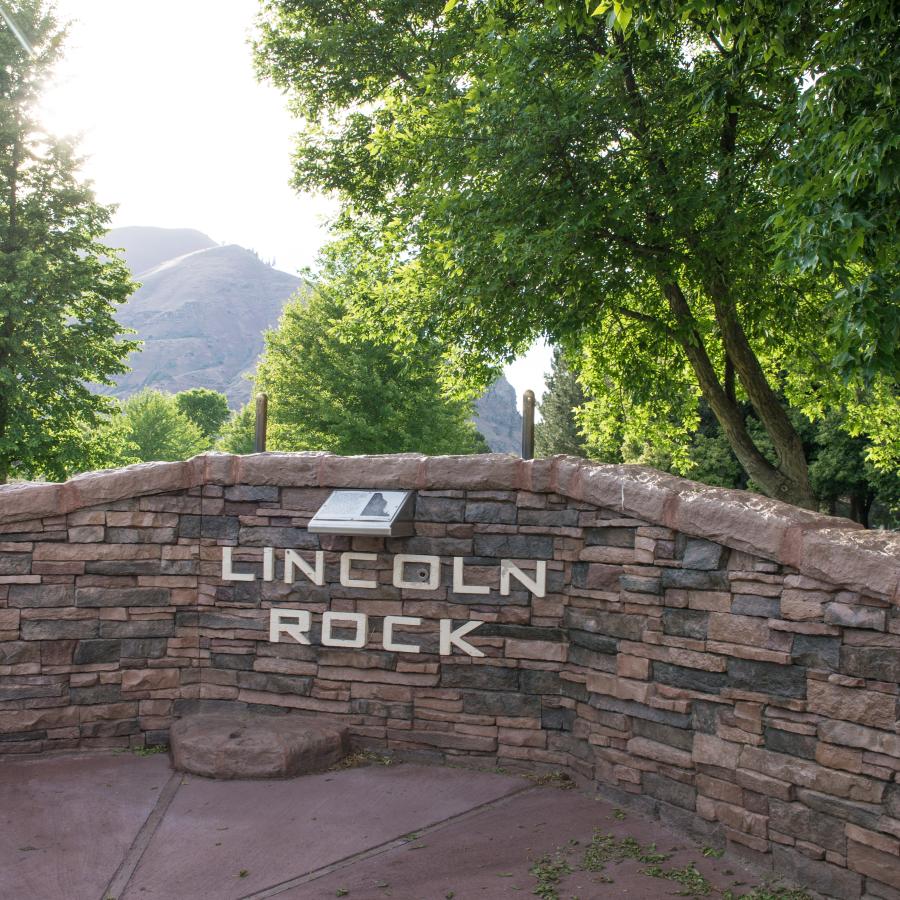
(253, 745)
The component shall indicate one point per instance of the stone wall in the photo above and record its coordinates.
(730, 662)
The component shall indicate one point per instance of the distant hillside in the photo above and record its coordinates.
(201, 312)
(145, 248)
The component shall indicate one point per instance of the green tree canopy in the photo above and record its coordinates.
(58, 284)
(333, 387)
(207, 409)
(558, 431)
(158, 430)
(631, 183)
(239, 432)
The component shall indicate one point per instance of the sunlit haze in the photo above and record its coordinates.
(178, 133)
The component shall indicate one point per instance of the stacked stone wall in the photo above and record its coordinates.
(729, 662)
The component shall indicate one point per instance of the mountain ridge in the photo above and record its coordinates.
(202, 309)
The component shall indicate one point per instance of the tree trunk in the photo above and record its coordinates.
(776, 482)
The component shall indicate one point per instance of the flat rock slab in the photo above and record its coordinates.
(248, 745)
(224, 840)
(67, 822)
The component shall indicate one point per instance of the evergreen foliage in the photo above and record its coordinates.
(59, 284)
(558, 430)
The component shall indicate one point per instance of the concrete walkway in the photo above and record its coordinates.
(92, 827)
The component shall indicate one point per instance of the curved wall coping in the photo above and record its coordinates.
(832, 549)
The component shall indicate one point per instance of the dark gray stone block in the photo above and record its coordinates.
(551, 518)
(877, 663)
(514, 546)
(555, 719)
(99, 651)
(817, 875)
(99, 693)
(664, 734)
(599, 643)
(58, 629)
(491, 678)
(140, 628)
(816, 651)
(248, 493)
(496, 703)
(692, 679)
(613, 624)
(276, 684)
(41, 596)
(123, 567)
(439, 509)
(491, 513)
(144, 648)
(689, 623)
(269, 536)
(803, 745)
(863, 814)
(609, 536)
(222, 620)
(591, 659)
(767, 677)
(130, 596)
(15, 564)
(14, 653)
(705, 716)
(669, 791)
(704, 555)
(242, 661)
(17, 691)
(694, 580)
(639, 584)
(751, 605)
(638, 710)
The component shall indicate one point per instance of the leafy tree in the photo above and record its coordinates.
(58, 283)
(158, 429)
(619, 182)
(333, 387)
(558, 430)
(207, 409)
(239, 432)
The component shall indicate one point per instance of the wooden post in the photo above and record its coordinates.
(262, 415)
(528, 425)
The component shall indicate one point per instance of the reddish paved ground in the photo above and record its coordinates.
(92, 827)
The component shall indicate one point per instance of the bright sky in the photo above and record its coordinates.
(178, 132)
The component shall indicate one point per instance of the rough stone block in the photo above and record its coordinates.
(105, 597)
(852, 704)
(691, 679)
(753, 605)
(514, 546)
(704, 555)
(855, 616)
(816, 651)
(97, 651)
(876, 663)
(873, 863)
(767, 678)
(246, 745)
(827, 879)
(694, 580)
